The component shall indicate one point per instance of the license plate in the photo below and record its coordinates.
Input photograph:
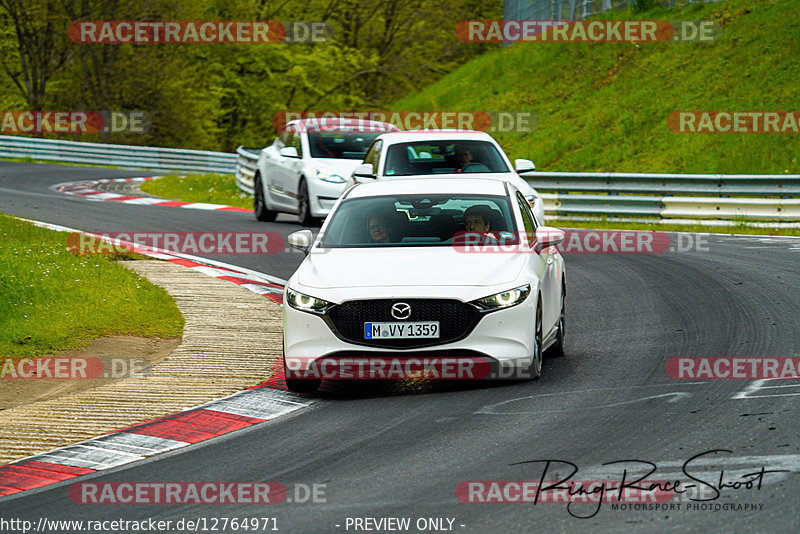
(413, 330)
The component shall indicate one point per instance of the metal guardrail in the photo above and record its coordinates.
(565, 194)
(664, 196)
(714, 196)
(246, 168)
(132, 157)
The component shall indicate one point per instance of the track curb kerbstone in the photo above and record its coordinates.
(207, 365)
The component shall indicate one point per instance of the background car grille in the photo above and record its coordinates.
(456, 320)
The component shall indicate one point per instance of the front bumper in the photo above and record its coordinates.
(503, 337)
(323, 195)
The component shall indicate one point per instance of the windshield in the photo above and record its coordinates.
(340, 144)
(442, 157)
(420, 220)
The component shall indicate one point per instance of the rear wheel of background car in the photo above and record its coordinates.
(304, 206)
(557, 350)
(259, 205)
(535, 369)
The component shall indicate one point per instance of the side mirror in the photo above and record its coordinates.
(289, 152)
(363, 171)
(547, 236)
(301, 240)
(524, 165)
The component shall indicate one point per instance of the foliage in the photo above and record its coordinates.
(218, 96)
(604, 106)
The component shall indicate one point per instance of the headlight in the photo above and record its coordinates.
(327, 177)
(503, 300)
(307, 303)
(531, 199)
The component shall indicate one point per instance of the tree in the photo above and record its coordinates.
(39, 47)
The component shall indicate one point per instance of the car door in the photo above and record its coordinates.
(544, 265)
(285, 170)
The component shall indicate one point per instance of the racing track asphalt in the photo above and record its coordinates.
(383, 451)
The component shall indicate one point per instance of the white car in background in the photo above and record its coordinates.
(306, 168)
(391, 276)
(444, 153)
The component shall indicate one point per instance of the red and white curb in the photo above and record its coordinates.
(86, 189)
(265, 402)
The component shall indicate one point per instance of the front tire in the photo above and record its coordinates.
(557, 350)
(534, 371)
(259, 204)
(300, 385)
(304, 206)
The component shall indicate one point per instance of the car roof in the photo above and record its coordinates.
(438, 135)
(429, 186)
(323, 123)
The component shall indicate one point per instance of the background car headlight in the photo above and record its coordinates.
(307, 303)
(328, 177)
(503, 300)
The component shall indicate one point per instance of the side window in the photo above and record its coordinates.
(286, 136)
(297, 142)
(374, 155)
(527, 219)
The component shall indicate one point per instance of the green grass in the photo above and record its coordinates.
(210, 188)
(52, 299)
(604, 106)
(741, 228)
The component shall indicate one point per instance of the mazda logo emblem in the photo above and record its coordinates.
(401, 310)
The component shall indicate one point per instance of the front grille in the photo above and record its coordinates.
(456, 320)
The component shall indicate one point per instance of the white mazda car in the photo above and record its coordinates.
(437, 278)
(306, 168)
(445, 153)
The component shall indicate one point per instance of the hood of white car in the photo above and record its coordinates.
(342, 167)
(407, 266)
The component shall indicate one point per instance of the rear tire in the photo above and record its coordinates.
(259, 204)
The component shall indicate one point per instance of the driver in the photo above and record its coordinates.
(477, 219)
(463, 158)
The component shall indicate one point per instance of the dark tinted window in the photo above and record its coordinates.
(414, 220)
(340, 144)
(442, 157)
